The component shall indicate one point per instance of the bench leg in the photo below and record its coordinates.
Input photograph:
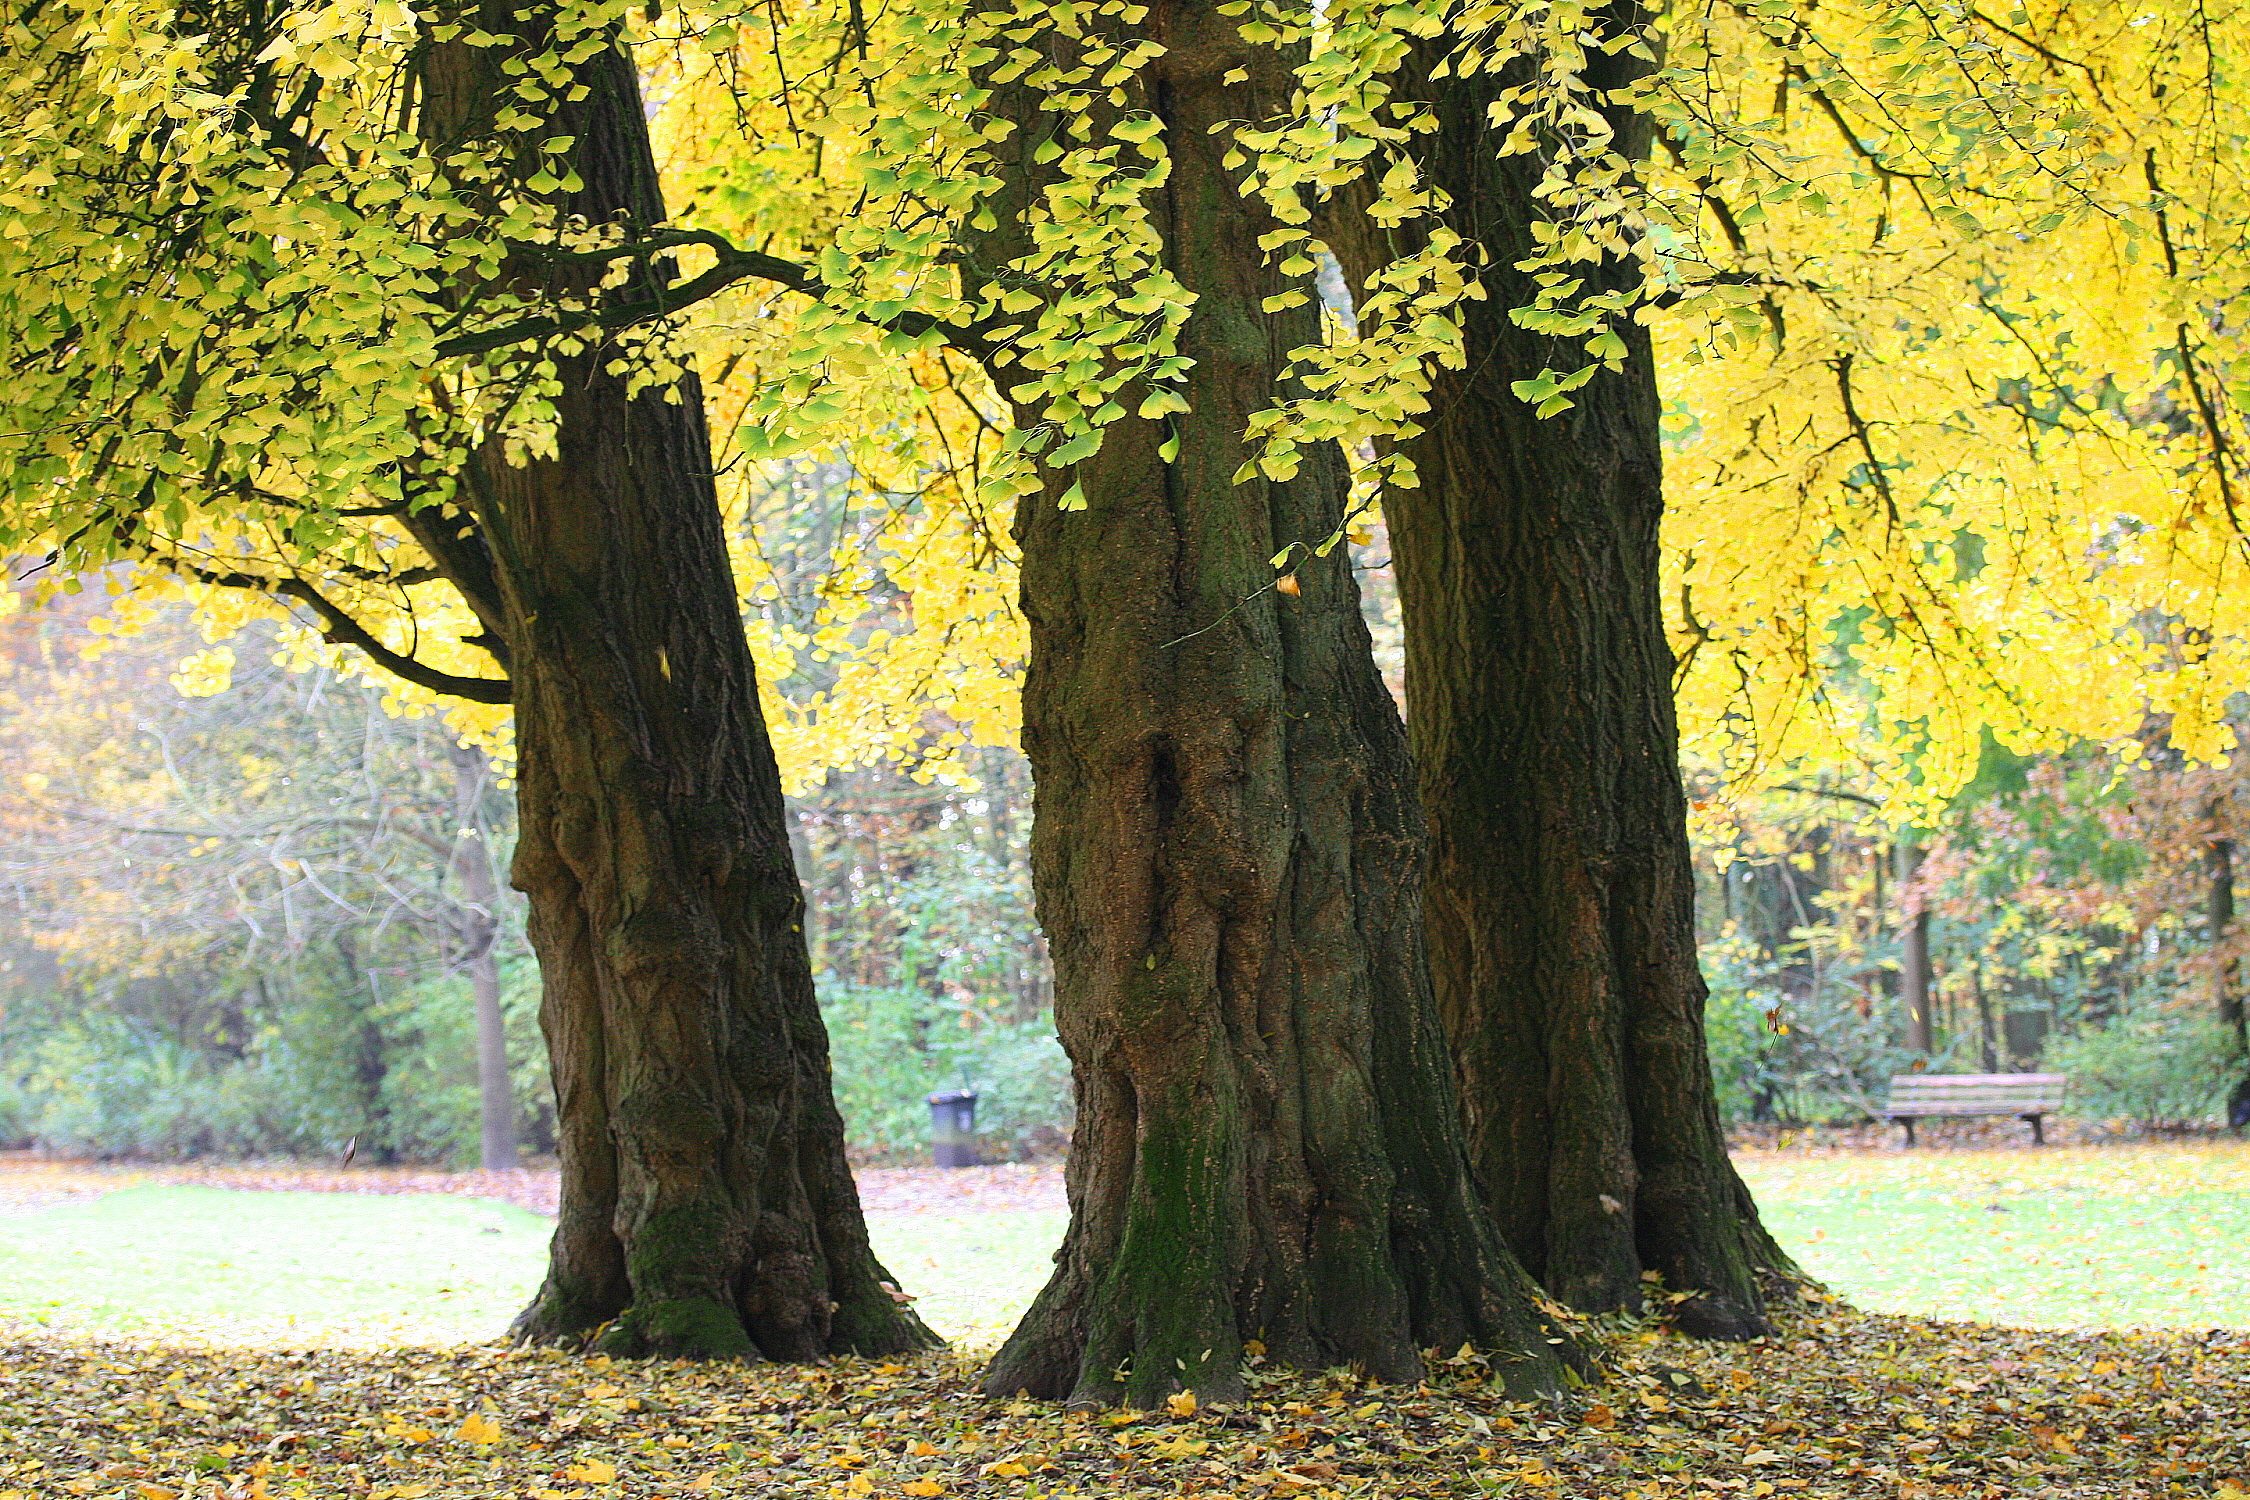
(2038, 1135)
(1908, 1122)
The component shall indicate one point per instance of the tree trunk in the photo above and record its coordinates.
(706, 1206)
(1914, 961)
(2220, 912)
(1225, 847)
(1560, 891)
(480, 957)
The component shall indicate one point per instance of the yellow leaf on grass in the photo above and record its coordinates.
(1179, 1447)
(859, 1486)
(922, 1448)
(411, 1491)
(193, 1403)
(594, 1471)
(1006, 1469)
(1182, 1405)
(149, 1491)
(921, 1487)
(477, 1428)
(600, 1392)
(1598, 1415)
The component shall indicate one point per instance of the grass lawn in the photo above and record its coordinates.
(2155, 1235)
(419, 1268)
(2149, 1235)
(974, 1273)
(273, 1266)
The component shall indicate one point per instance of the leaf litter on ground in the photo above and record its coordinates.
(1840, 1403)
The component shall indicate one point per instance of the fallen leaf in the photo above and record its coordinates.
(479, 1429)
(1181, 1405)
(594, 1471)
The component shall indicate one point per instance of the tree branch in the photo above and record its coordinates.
(341, 627)
(734, 265)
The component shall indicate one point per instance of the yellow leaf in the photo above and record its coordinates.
(1182, 1405)
(479, 1429)
(149, 1491)
(922, 1487)
(594, 1471)
(859, 1486)
(1006, 1469)
(600, 1392)
(1179, 1447)
(922, 1448)
(193, 1403)
(1598, 1415)
(411, 1491)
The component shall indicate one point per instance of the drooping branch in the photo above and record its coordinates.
(735, 264)
(340, 627)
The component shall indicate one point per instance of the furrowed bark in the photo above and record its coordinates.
(1560, 894)
(1225, 849)
(706, 1206)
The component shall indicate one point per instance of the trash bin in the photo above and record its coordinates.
(953, 1127)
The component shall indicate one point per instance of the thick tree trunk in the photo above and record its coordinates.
(1560, 894)
(706, 1206)
(1225, 848)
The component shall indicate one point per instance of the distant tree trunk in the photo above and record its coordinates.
(1987, 1028)
(2225, 991)
(1560, 891)
(1225, 849)
(706, 1205)
(1914, 961)
(480, 948)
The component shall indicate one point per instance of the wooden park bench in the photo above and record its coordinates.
(2027, 1096)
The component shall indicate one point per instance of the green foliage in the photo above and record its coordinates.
(1788, 1038)
(105, 1087)
(428, 1102)
(890, 1048)
(322, 1068)
(2149, 1063)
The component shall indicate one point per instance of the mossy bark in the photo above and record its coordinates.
(1225, 849)
(1538, 682)
(706, 1206)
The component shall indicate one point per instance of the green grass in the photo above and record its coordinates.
(233, 1264)
(974, 1273)
(342, 1267)
(2152, 1236)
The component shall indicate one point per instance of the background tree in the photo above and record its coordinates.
(236, 891)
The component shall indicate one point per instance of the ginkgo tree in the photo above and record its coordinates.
(342, 306)
(380, 313)
(311, 304)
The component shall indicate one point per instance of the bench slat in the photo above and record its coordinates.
(1927, 1094)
